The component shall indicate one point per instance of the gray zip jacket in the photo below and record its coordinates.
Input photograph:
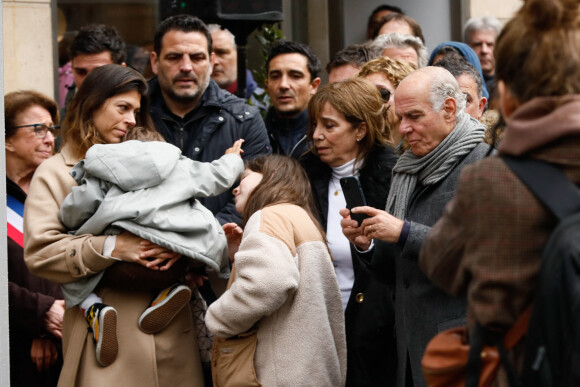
(149, 189)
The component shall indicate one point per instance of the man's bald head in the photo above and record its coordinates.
(428, 102)
(439, 83)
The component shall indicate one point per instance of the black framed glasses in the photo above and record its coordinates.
(40, 130)
(385, 94)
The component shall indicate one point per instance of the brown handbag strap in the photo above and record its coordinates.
(518, 330)
(511, 338)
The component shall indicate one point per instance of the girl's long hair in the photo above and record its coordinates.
(283, 181)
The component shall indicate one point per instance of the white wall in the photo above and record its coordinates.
(4, 340)
(501, 9)
(434, 17)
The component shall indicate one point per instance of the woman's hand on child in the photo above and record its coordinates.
(163, 263)
(128, 248)
(131, 248)
(236, 148)
(157, 257)
(234, 236)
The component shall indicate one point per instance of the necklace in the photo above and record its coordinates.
(337, 187)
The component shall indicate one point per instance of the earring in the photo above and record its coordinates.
(358, 140)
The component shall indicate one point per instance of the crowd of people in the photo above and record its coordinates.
(170, 233)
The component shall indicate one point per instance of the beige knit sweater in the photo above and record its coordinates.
(285, 282)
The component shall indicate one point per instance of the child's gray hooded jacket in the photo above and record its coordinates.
(150, 189)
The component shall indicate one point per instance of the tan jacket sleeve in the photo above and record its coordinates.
(49, 251)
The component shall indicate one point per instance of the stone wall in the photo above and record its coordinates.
(501, 9)
(28, 46)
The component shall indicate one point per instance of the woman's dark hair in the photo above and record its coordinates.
(283, 181)
(358, 101)
(79, 131)
(373, 24)
(538, 51)
(17, 102)
(415, 27)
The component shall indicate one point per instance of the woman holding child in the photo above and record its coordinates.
(111, 101)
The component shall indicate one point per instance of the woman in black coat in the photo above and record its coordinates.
(35, 305)
(347, 132)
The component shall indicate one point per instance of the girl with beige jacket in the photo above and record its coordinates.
(283, 299)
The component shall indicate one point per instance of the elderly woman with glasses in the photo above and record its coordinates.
(30, 132)
(36, 306)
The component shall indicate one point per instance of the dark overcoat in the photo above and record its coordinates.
(421, 309)
(369, 314)
(29, 298)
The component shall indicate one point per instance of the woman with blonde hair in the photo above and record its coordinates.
(283, 288)
(347, 121)
(386, 74)
(111, 101)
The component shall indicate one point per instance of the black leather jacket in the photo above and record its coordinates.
(369, 316)
(293, 129)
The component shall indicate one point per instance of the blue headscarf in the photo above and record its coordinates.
(469, 55)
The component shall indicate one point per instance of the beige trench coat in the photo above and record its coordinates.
(169, 358)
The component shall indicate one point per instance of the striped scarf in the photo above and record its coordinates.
(433, 167)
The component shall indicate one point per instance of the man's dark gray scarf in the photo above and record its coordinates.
(433, 167)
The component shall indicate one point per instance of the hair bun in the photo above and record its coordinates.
(547, 14)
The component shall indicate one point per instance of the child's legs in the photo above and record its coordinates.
(90, 300)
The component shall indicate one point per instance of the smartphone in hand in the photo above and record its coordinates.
(354, 196)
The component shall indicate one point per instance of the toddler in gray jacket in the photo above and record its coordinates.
(149, 189)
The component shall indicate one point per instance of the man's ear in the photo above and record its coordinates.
(449, 109)
(314, 85)
(212, 61)
(481, 106)
(507, 101)
(154, 61)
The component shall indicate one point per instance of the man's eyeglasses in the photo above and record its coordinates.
(385, 94)
(40, 130)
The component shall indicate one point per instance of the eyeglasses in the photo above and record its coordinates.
(385, 94)
(40, 130)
